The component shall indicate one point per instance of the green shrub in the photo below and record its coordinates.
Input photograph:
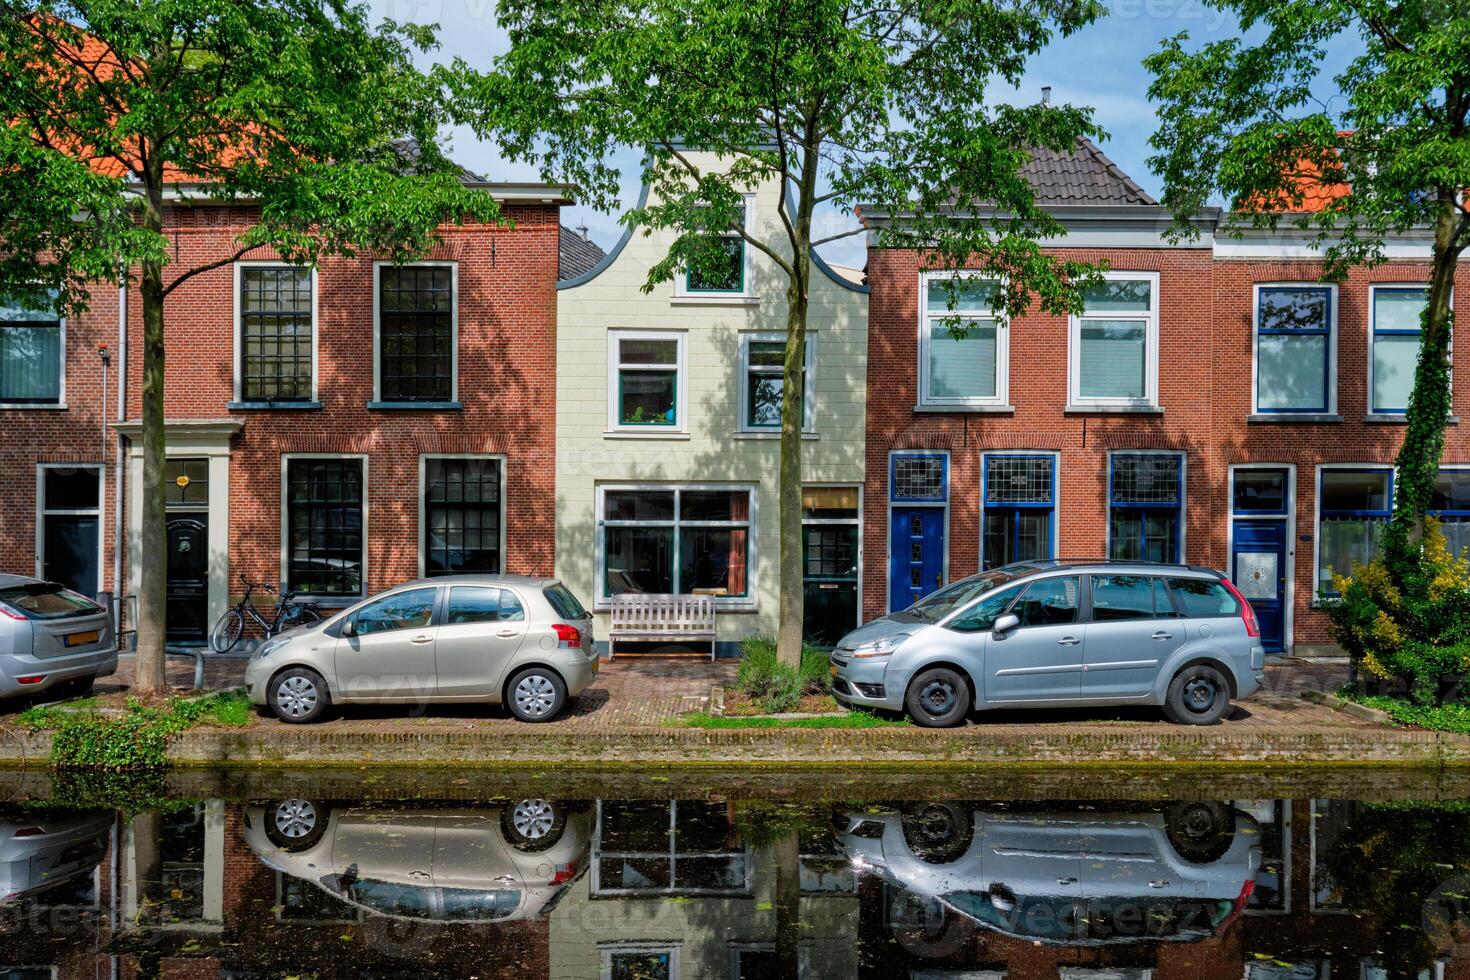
(777, 687)
(1409, 638)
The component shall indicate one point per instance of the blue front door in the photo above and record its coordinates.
(916, 555)
(1258, 568)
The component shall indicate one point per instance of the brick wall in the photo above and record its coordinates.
(1205, 368)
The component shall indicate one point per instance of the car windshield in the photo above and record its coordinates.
(43, 600)
(935, 606)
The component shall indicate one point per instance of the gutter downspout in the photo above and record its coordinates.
(117, 481)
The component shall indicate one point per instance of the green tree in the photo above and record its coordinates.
(1389, 152)
(846, 103)
(119, 109)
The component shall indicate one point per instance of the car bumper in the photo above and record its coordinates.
(53, 670)
(866, 683)
(579, 674)
(256, 674)
(1249, 682)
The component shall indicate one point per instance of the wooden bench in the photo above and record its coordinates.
(650, 618)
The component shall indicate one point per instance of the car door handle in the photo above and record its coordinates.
(420, 875)
(424, 638)
(1066, 881)
(1161, 635)
(509, 633)
(1069, 641)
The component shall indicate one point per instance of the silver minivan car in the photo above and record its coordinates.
(525, 642)
(52, 639)
(1052, 634)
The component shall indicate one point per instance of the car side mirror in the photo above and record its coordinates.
(348, 627)
(1004, 624)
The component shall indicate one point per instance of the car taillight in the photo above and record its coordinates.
(28, 832)
(9, 613)
(569, 637)
(1247, 614)
(564, 874)
(31, 679)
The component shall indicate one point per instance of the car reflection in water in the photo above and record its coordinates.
(42, 852)
(1078, 877)
(434, 864)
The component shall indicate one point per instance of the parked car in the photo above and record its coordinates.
(1076, 876)
(1060, 634)
(450, 864)
(525, 642)
(52, 639)
(45, 851)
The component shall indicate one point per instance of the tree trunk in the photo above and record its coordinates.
(153, 544)
(1429, 404)
(787, 855)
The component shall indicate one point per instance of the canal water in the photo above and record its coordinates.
(654, 877)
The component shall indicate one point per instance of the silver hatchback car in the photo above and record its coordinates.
(526, 642)
(51, 638)
(1052, 634)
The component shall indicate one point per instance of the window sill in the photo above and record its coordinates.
(721, 606)
(967, 409)
(717, 299)
(1390, 418)
(273, 406)
(30, 407)
(414, 406)
(1289, 418)
(629, 434)
(771, 436)
(1113, 410)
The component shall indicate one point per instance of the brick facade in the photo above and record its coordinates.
(1206, 360)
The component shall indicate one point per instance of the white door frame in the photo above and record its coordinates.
(1288, 626)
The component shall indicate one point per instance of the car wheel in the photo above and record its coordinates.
(533, 825)
(937, 833)
(938, 698)
(298, 695)
(1200, 832)
(296, 824)
(1198, 695)
(536, 694)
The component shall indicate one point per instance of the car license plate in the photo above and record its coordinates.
(834, 670)
(79, 639)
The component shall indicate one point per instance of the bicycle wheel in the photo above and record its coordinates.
(299, 616)
(227, 631)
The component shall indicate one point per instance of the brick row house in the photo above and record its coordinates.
(516, 402)
(1215, 403)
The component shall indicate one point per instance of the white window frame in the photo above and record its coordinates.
(42, 512)
(684, 295)
(1001, 399)
(239, 336)
(615, 424)
(749, 602)
(1399, 414)
(453, 268)
(607, 951)
(1322, 468)
(61, 380)
(1150, 320)
(285, 542)
(424, 502)
(808, 402)
(1332, 335)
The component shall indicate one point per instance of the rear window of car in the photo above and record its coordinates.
(1203, 598)
(564, 602)
(42, 600)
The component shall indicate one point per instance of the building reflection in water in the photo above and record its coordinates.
(655, 889)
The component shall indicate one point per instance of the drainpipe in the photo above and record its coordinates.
(117, 481)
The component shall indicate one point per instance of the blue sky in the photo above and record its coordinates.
(1099, 67)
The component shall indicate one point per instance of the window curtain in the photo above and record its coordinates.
(1111, 359)
(1394, 359)
(962, 368)
(30, 363)
(1291, 372)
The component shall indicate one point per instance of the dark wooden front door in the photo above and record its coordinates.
(188, 579)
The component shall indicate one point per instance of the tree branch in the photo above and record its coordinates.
(184, 277)
(745, 235)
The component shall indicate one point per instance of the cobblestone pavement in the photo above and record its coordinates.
(645, 692)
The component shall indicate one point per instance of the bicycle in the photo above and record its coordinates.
(286, 614)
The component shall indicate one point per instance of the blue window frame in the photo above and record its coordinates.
(1294, 349)
(1396, 325)
(1019, 519)
(1146, 506)
(918, 478)
(1451, 505)
(1353, 507)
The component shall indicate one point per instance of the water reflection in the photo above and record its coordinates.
(657, 888)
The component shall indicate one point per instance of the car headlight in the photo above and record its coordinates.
(269, 647)
(880, 647)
